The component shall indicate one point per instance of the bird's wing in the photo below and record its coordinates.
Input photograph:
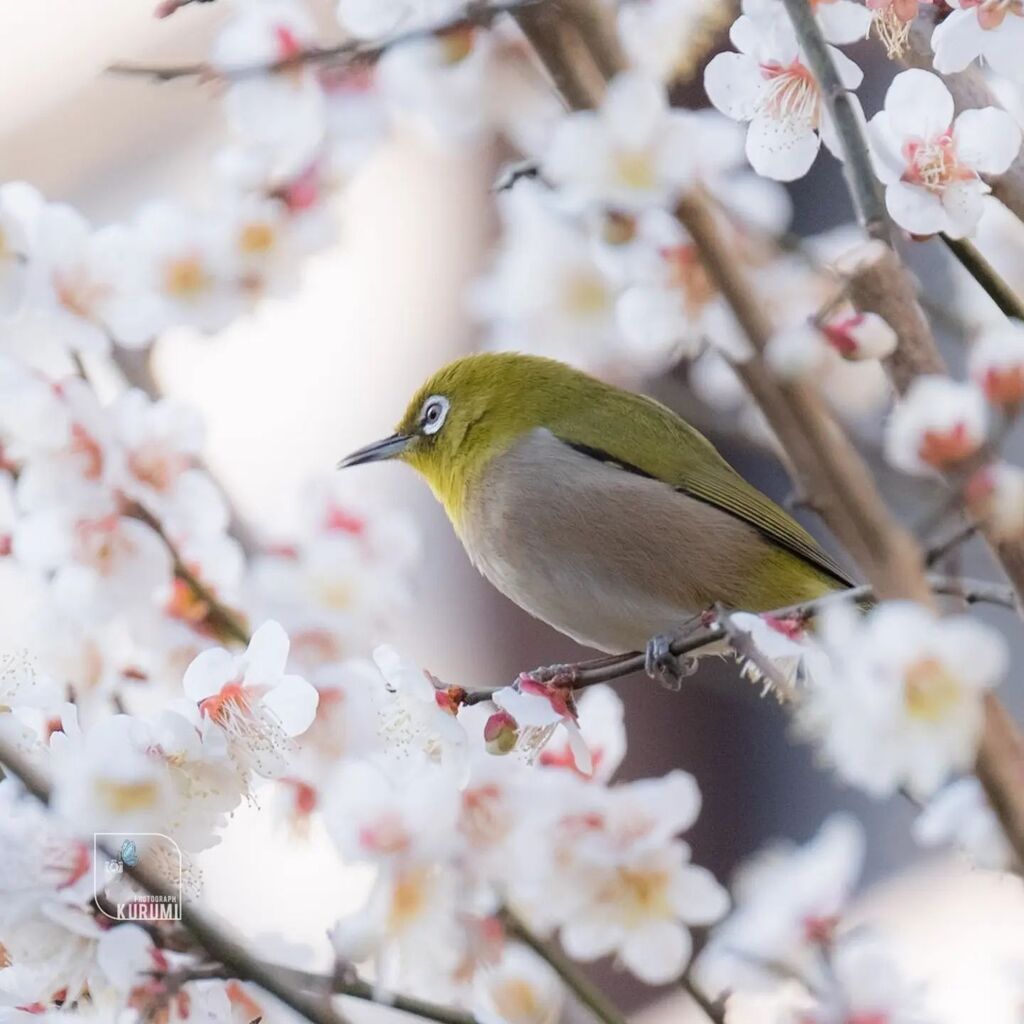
(682, 457)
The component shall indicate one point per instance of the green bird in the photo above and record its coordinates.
(595, 509)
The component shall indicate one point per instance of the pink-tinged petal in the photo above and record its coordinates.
(1004, 45)
(963, 203)
(886, 156)
(267, 654)
(527, 709)
(783, 150)
(850, 73)
(633, 109)
(918, 104)
(987, 140)
(293, 702)
(915, 209)
(209, 671)
(579, 749)
(844, 21)
(733, 82)
(697, 897)
(957, 41)
(589, 938)
(658, 952)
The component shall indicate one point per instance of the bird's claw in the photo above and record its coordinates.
(667, 668)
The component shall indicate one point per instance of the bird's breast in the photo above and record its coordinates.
(607, 556)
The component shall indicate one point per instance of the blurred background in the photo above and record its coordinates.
(290, 388)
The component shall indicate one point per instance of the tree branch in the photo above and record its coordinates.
(1008, 301)
(218, 944)
(477, 14)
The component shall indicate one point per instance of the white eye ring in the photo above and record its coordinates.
(432, 418)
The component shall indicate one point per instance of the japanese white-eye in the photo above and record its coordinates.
(596, 509)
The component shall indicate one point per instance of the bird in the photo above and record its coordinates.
(596, 509)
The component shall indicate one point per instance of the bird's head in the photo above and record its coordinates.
(467, 413)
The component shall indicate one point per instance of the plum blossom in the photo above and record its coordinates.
(520, 989)
(960, 815)
(865, 984)
(252, 700)
(995, 496)
(996, 364)
(19, 207)
(902, 703)
(842, 21)
(537, 709)
(991, 31)
(768, 84)
(281, 110)
(936, 426)
(632, 153)
(932, 163)
(789, 900)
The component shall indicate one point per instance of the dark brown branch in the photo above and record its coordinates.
(1008, 301)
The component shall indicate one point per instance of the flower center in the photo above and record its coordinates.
(257, 238)
(585, 295)
(408, 900)
(930, 690)
(186, 277)
(124, 797)
(634, 168)
(934, 165)
(516, 1001)
(791, 93)
(941, 448)
(639, 894)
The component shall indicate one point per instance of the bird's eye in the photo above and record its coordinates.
(434, 411)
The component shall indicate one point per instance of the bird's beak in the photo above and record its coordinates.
(378, 451)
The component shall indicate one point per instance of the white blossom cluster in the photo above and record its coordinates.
(169, 675)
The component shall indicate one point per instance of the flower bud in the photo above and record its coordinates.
(501, 733)
(995, 495)
(860, 336)
(997, 365)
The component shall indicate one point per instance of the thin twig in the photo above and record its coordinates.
(219, 616)
(217, 943)
(713, 1010)
(577, 982)
(1008, 301)
(865, 189)
(354, 51)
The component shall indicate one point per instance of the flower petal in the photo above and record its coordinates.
(987, 140)
(209, 671)
(918, 104)
(658, 952)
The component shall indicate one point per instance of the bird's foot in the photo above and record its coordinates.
(667, 668)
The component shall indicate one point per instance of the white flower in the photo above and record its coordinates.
(604, 733)
(789, 901)
(520, 989)
(639, 910)
(796, 352)
(537, 709)
(936, 426)
(992, 31)
(19, 208)
(440, 80)
(415, 715)
(281, 110)
(544, 290)
(252, 700)
(865, 985)
(995, 496)
(632, 153)
(658, 35)
(961, 815)
(842, 21)
(381, 813)
(107, 780)
(931, 163)
(996, 364)
(903, 702)
(89, 285)
(768, 84)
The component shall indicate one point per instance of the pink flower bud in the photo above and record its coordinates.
(501, 733)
